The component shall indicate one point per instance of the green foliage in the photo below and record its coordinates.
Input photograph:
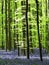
(16, 15)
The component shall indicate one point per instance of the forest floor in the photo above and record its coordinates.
(11, 58)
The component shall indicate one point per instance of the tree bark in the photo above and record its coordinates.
(40, 46)
(2, 26)
(27, 29)
(6, 30)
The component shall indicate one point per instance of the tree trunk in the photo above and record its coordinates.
(27, 29)
(9, 25)
(2, 26)
(6, 30)
(40, 46)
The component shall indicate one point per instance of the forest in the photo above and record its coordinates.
(24, 32)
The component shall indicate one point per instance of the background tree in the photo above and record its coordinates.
(40, 46)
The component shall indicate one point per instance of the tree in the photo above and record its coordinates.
(40, 46)
(6, 30)
(2, 25)
(27, 29)
(9, 25)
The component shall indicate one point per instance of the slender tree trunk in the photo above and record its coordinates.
(40, 46)
(15, 28)
(6, 30)
(9, 25)
(27, 29)
(2, 25)
(18, 42)
(14, 36)
(47, 24)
